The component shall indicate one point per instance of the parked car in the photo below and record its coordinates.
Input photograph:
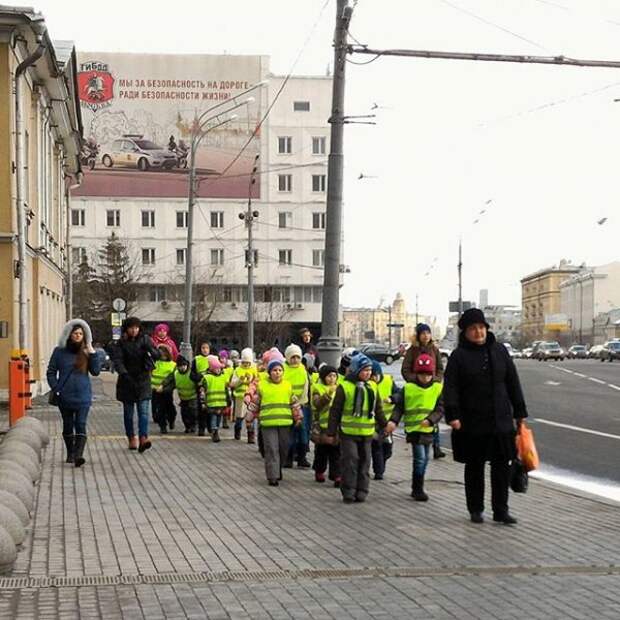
(135, 152)
(577, 352)
(610, 351)
(595, 351)
(526, 354)
(535, 346)
(379, 352)
(549, 351)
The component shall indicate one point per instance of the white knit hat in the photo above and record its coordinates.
(291, 351)
(247, 355)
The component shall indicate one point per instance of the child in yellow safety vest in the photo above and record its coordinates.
(321, 396)
(217, 399)
(227, 370)
(355, 412)
(243, 376)
(297, 375)
(277, 410)
(182, 380)
(421, 407)
(164, 412)
(382, 442)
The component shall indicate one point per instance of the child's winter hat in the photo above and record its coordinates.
(224, 353)
(291, 351)
(234, 354)
(273, 363)
(422, 327)
(325, 370)
(308, 360)
(347, 354)
(182, 361)
(424, 365)
(214, 362)
(358, 362)
(376, 368)
(247, 355)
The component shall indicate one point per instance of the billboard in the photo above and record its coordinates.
(557, 322)
(139, 113)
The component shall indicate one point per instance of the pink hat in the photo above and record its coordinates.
(214, 363)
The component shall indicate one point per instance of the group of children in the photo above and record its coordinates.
(349, 413)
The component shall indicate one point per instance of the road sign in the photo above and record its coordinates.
(454, 306)
(119, 304)
(116, 333)
(117, 318)
(395, 325)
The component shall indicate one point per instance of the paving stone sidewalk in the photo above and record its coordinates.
(190, 529)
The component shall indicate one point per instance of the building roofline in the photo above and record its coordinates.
(568, 269)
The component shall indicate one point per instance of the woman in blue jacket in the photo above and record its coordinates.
(67, 375)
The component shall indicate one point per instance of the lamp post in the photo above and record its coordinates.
(200, 128)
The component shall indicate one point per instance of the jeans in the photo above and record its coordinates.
(142, 408)
(300, 435)
(420, 459)
(74, 420)
(215, 419)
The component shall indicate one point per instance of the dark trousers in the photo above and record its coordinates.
(164, 411)
(188, 414)
(354, 466)
(474, 486)
(325, 455)
(275, 439)
(74, 420)
(381, 452)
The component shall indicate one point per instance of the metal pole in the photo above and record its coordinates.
(581, 312)
(390, 328)
(329, 344)
(186, 345)
(68, 257)
(416, 309)
(460, 268)
(249, 221)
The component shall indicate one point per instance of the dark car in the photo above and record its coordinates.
(577, 352)
(610, 351)
(380, 352)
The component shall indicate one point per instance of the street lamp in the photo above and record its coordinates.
(200, 128)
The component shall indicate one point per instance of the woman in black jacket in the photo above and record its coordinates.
(134, 359)
(483, 398)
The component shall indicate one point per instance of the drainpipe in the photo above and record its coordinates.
(69, 249)
(22, 229)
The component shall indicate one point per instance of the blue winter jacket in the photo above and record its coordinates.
(75, 389)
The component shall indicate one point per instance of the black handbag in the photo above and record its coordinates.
(519, 479)
(53, 398)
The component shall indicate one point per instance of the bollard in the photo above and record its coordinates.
(11, 523)
(36, 425)
(17, 388)
(27, 381)
(25, 435)
(23, 460)
(25, 493)
(8, 551)
(16, 505)
(6, 447)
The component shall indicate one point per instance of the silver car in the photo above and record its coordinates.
(135, 152)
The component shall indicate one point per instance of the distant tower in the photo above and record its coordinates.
(484, 298)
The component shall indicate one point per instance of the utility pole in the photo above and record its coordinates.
(249, 216)
(460, 269)
(329, 344)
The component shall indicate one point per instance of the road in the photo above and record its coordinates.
(574, 409)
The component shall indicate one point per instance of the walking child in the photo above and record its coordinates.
(181, 380)
(422, 408)
(297, 375)
(215, 385)
(382, 443)
(355, 411)
(321, 397)
(242, 377)
(227, 370)
(164, 411)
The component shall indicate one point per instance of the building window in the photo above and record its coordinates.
(78, 255)
(148, 219)
(217, 219)
(148, 256)
(157, 293)
(318, 220)
(217, 257)
(113, 217)
(318, 182)
(181, 219)
(317, 294)
(284, 219)
(285, 145)
(285, 182)
(78, 217)
(308, 294)
(285, 257)
(247, 257)
(318, 258)
(181, 256)
(301, 106)
(318, 145)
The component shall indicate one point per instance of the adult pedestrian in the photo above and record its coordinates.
(67, 375)
(134, 358)
(307, 346)
(483, 398)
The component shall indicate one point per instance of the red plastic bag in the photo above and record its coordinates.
(526, 448)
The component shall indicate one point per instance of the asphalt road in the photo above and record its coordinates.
(583, 403)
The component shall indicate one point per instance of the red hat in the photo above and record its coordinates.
(424, 365)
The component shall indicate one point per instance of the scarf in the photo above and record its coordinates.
(362, 388)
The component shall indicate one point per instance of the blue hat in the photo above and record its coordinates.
(422, 327)
(376, 368)
(358, 362)
(273, 363)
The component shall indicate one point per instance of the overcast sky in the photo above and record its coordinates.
(540, 142)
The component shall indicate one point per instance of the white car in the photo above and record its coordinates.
(134, 151)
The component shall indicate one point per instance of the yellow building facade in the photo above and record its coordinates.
(45, 136)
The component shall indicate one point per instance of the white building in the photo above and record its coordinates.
(587, 294)
(288, 234)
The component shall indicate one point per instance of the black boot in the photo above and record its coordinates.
(80, 442)
(251, 436)
(438, 453)
(237, 432)
(289, 459)
(70, 444)
(417, 489)
(302, 461)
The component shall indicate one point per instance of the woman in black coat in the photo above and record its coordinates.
(483, 398)
(134, 359)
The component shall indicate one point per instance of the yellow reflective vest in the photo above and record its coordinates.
(215, 390)
(275, 403)
(358, 425)
(418, 403)
(297, 376)
(186, 388)
(243, 373)
(320, 389)
(161, 371)
(202, 364)
(385, 391)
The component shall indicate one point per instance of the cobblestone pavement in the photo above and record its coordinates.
(190, 529)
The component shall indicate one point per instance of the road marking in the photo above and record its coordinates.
(552, 383)
(597, 380)
(570, 427)
(614, 387)
(578, 374)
